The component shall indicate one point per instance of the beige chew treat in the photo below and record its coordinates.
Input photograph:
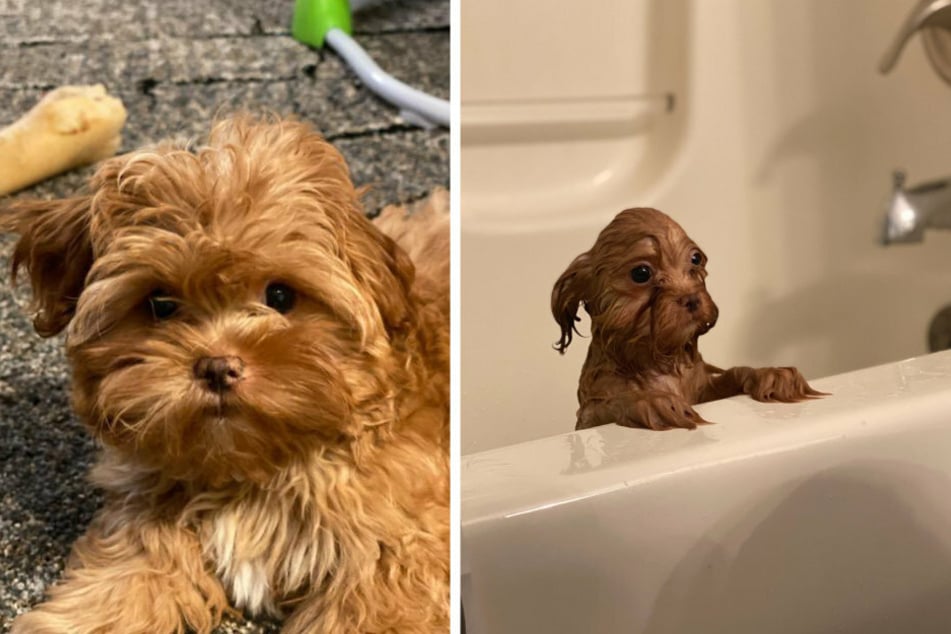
(70, 126)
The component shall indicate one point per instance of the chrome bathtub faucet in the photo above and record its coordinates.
(927, 16)
(910, 211)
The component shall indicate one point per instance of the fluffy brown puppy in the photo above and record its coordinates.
(268, 375)
(642, 283)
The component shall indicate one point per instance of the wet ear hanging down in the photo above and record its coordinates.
(55, 251)
(567, 295)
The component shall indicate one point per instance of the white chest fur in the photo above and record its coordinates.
(263, 552)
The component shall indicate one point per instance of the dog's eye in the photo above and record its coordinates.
(641, 274)
(162, 307)
(280, 297)
(696, 259)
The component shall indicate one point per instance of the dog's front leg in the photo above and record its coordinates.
(308, 619)
(403, 589)
(785, 385)
(132, 576)
(651, 410)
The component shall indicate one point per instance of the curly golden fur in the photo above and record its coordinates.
(643, 285)
(268, 374)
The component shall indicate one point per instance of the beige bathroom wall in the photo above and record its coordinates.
(762, 126)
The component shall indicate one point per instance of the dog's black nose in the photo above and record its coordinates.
(219, 373)
(691, 303)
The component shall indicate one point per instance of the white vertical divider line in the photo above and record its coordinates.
(455, 207)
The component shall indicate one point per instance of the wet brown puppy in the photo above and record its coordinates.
(642, 283)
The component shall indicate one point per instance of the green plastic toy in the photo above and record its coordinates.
(314, 18)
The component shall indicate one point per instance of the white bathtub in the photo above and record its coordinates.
(813, 518)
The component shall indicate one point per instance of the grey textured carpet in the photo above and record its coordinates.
(175, 64)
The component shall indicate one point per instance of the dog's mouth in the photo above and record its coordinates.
(707, 319)
(222, 407)
(703, 327)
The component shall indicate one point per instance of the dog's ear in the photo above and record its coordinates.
(383, 268)
(567, 295)
(55, 251)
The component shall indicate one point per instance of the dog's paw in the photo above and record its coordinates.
(784, 385)
(38, 623)
(661, 411)
(648, 410)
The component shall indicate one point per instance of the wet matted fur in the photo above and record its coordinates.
(643, 285)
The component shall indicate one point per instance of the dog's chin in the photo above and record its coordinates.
(675, 338)
(224, 452)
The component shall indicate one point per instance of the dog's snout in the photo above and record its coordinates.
(710, 321)
(219, 373)
(691, 303)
